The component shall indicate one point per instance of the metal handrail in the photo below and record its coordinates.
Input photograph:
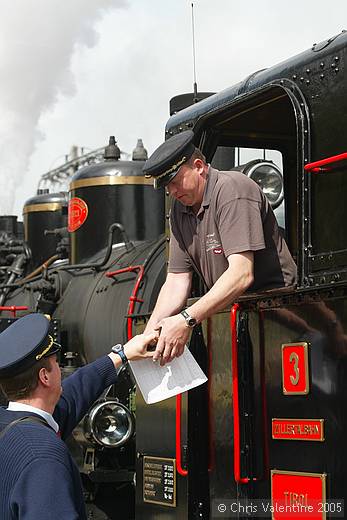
(179, 467)
(318, 166)
(235, 389)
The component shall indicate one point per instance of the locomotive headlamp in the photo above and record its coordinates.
(269, 177)
(109, 424)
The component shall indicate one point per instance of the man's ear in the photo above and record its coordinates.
(43, 376)
(199, 165)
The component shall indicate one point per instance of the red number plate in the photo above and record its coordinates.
(295, 372)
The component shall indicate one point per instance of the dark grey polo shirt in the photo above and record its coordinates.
(235, 216)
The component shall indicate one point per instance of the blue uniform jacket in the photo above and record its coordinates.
(39, 479)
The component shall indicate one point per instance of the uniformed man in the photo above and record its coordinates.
(223, 227)
(39, 480)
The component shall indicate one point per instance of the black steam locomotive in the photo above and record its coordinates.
(266, 433)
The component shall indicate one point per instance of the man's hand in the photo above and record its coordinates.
(136, 348)
(174, 334)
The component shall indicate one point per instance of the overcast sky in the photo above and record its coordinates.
(76, 72)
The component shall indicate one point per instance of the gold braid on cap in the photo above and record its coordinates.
(47, 349)
(170, 170)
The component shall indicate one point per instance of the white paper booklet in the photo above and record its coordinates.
(158, 383)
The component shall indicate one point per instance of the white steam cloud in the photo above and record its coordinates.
(37, 41)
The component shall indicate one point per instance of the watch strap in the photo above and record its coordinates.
(119, 349)
(190, 322)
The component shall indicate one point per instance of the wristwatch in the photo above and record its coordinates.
(118, 349)
(190, 322)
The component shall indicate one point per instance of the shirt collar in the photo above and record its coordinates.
(210, 184)
(22, 407)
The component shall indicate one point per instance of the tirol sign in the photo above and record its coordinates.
(298, 495)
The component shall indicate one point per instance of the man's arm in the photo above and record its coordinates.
(85, 385)
(172, 298)
(232, 284)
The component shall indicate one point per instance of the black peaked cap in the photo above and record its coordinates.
(166, 160)
(25, 342)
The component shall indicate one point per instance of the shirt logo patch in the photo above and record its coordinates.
(218, 251)
(213, 244)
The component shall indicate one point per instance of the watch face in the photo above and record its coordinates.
(118, 349)
(191, 322)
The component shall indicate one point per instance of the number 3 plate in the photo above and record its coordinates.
(295, 372)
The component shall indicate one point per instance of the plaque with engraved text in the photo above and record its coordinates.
(159, 481)
(298, 429)
(298, 495)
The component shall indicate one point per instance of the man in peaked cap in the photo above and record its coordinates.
(223, 228)
(39, 479)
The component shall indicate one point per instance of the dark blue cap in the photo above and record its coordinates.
(24, 343)
(167, 159)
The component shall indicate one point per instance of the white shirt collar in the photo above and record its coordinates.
(21, 407)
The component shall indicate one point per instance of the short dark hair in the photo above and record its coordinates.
(22, 385)
(197, 154)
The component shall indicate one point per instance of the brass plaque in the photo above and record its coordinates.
(298, 429)
(159, 481)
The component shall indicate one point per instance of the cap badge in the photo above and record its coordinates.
(47, 349)
(173, 168)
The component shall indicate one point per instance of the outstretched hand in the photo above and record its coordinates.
(136, 348)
